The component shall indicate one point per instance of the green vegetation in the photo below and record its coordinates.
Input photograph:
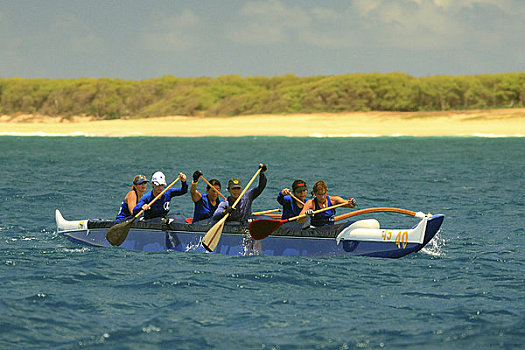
(235, 95)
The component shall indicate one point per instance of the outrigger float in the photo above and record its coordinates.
(355, 238)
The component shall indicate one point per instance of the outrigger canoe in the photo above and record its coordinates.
(354, 238)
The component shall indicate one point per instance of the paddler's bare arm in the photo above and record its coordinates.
(338, 200)
(131, 200)
(309, 205)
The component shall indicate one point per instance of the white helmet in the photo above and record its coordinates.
(158, 178)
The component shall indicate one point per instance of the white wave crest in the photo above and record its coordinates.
(74, 134)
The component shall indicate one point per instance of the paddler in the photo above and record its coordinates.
(205, 204)
(323, 200)
(138, 188)
(293, 206)
(161, 207)
(243, 210)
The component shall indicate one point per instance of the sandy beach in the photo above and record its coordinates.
(500, 122)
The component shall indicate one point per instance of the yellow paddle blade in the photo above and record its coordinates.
(117, 234)
(213, 236)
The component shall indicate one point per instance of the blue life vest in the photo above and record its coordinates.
(204, 209)
(290, 207)
(124, 213)
(326, 217)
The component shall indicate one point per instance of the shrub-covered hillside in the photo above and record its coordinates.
(235, 95)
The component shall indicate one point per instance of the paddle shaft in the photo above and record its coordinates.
(242, 194)
(216, 190)
(375, 210)
(317, 211)
(266, 212)
(297, 199)
(246, 188)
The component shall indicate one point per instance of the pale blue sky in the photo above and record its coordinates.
(147, 39)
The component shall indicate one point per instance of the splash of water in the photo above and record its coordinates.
(436, 246)
(190, 247)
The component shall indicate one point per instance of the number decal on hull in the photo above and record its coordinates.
(401, 238)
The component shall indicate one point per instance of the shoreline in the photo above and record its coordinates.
(484, 123)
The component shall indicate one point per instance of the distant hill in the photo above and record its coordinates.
(235, 95)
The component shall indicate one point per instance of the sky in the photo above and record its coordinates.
(138, 40)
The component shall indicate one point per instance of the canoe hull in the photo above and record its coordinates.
(241, 244)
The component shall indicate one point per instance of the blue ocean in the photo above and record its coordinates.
(465, 290)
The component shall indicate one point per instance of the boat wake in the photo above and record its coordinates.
(435, 247)
(76, 250)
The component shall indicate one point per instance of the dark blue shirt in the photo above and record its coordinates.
(161, 207)
(243, 211)
(204, 209)
(290, 207)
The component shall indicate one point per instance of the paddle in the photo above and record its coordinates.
(212, 237)
(297, 199)
(266, 211)
(117, 234)
(262, 228)
(216, 190)
(377, 210)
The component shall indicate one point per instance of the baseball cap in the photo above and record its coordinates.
(234, 183)
(139, 179)
(297, 184)
(158, 178)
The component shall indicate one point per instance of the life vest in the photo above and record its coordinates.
(324, 218)
(124, 213)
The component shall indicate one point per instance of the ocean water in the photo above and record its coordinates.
(465, 290)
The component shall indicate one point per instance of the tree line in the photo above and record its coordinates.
(106, 98)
